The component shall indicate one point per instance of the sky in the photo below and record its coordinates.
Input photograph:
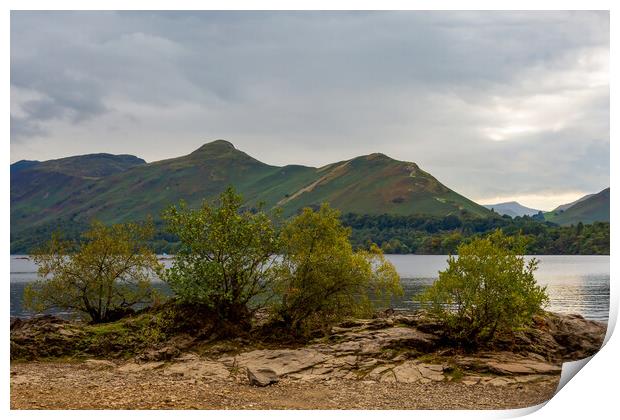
(499, 106)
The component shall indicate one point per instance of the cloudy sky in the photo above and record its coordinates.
(496, 105)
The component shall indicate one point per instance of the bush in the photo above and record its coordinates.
(489, 288)
(223, 256)
(103, 280)
(320, 280)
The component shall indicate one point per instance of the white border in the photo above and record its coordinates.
(592, 394)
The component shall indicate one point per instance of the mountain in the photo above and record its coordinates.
(40, 188)
(566, 206)
(594, 208)
(512, 209)
(74, 190)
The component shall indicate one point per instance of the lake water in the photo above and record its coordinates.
(575, 284)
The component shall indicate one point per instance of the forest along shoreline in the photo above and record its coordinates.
(394, 360)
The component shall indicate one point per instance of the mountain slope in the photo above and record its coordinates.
(372, 184)
(567, 205)
(512, 209)
(40, 188)
(593, 209)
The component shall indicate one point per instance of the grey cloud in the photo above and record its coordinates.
(314, 87)
(22, 129)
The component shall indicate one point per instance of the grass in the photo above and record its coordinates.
(455, 373)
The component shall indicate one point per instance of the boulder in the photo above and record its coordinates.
(261, 376)
(408, 372)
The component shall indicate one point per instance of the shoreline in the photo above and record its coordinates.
(70, 385)
(393, 361)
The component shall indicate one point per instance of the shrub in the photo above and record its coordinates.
(320, 280)
(489, 288)
(103, 280)
(223, 256)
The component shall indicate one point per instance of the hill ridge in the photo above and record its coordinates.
(44, 195)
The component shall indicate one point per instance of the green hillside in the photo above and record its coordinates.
(594, 208)
(121, 188)
(40, 189)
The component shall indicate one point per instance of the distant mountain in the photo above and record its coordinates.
(23, 164)
(566, 206)
(39, 189)
(594, 208)
(123, 188)
(512, 209)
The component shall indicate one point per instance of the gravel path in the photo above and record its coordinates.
(71, 385)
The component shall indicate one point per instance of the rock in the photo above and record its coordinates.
(432, 372)
(163, 353)
(261, 376)
(380, 324)
(378, 372)
(471, 380)
(132, 367)
(579, 337)
(99, 364)
(372, 342)
(523, 367)
(388, 377)
(506, 363)
(499, 382)
(559, 338)
(384, 349)
(523, 379)
(197, 369)
(281, 361)
(43, 336)
(408, 372)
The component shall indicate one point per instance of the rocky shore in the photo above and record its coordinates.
(397, 360)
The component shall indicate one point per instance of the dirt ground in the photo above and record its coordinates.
(74, 385)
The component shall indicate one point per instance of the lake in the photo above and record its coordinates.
(575, 284)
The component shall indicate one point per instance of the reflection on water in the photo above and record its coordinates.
(576, 284)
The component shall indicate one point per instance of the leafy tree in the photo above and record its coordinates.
(224, 255)
(103, 280)
(320, 279)
(489, 288)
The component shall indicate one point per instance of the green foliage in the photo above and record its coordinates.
(320, 279)
(160, 325)
(104, 279)
(224, 255)
(489, 288)
(423, 234)
(419, 234)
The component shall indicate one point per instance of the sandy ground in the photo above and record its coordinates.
(73, 385)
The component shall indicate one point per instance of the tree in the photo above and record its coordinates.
(490, 287)
(103, 280)
(224, 255)
(320, 280)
